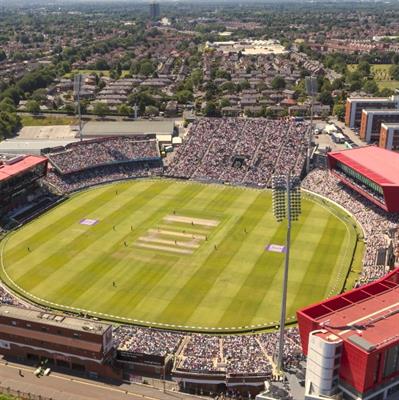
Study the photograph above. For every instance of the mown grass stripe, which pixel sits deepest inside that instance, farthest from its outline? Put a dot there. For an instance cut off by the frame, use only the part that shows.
(94, 267)
(59, 225)
(57, 259)
(259, 278)
(200, 283)
(327, 251)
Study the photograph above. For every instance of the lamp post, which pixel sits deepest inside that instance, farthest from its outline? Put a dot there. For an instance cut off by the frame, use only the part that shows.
(77, 84)
(311, 90)
(286, 205)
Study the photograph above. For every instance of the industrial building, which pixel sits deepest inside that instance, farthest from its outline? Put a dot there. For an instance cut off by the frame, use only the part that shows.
(371, 171)
(352, 343)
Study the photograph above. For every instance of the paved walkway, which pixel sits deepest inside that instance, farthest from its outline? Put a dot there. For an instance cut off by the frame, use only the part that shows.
(348, 132)
(58, 386)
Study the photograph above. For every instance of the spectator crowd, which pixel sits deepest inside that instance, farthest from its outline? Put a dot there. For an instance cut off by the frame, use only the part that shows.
(206, 354)
(102, 174)
(241, 151)
(92, 162)
(376, 223)
(146, 340)
(7, 298)
(79, 156)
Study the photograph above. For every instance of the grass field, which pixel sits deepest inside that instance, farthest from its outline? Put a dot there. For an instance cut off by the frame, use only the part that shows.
(381, 75)
(181, 254)
(30, 120)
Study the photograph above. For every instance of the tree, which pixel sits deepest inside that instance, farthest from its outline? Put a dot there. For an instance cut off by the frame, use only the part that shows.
(211, 90)
(244, 84)
(395, 59)
(3, 55)
(69, 108)
(230, 87)
(394, 72)
(184, 96)
(8, 105)
(101, 109)
(326, 98)
(10, 123)
(364, 68)
(196, 77)
(211, 110)
(101, 65)
(152, 110)
(370, 86)
(142, 99)
(124, 109)
(278, 83)
(386, 92)
(339, 111)
(224, 103)
(33, 107)
(146, 68)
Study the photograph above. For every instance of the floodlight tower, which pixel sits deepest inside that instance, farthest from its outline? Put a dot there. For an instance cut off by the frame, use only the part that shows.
(286, 205)
(311, 90)
(77, 84)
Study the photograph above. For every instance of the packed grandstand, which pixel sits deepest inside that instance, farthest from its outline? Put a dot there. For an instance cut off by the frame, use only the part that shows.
(237, 151)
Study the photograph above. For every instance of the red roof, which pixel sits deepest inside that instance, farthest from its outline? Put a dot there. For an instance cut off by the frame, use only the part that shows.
(7, 171)
(375, 163)
(368, 315)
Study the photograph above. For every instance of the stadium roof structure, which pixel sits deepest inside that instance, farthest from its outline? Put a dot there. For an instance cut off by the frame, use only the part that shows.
(22, 164)
(377, 165)
(367, 317)
(32, 146)
(127, 128)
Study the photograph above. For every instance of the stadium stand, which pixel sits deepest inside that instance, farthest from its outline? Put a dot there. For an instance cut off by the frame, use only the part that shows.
(88, 163)
(240, 151)
(376, 222)
(235, 150)
(79, 156)
(22, 195)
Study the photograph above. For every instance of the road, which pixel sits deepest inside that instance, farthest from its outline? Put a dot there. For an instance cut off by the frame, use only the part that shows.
(58, 386)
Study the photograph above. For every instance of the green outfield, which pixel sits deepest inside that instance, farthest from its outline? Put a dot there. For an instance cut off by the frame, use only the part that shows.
(178, 254)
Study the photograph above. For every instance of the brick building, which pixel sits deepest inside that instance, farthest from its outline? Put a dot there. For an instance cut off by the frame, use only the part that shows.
(81, 345)
(389, 136)
(355, 106)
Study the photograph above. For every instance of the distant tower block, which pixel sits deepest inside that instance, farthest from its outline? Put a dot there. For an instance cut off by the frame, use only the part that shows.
(155, 11)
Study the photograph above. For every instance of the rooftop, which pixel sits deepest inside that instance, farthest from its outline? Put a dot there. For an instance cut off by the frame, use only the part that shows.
(380, 111)
(390, 125)
(47, 318)
(371, 99)
(126, 128)
(368, 317)
(21, 163)
(377, 164)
